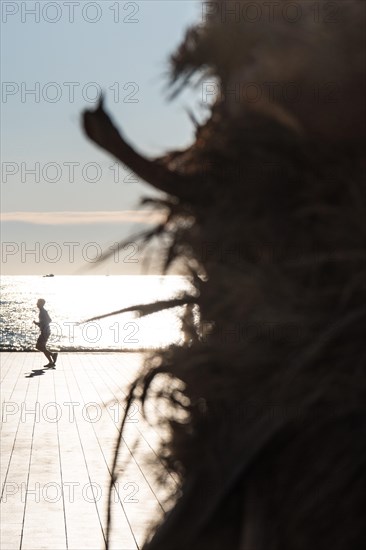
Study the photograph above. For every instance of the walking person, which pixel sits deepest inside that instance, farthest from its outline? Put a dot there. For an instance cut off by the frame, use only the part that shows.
(44, 326)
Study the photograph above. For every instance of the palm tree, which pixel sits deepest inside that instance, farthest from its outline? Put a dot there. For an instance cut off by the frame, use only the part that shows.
(266, 211)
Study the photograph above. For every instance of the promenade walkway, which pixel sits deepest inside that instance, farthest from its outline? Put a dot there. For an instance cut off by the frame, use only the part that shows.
(59, 428)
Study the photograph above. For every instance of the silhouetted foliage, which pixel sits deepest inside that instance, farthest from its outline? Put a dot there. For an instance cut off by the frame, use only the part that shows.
(267, 213)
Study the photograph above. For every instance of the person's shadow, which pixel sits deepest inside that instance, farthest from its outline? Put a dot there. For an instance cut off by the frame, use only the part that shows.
(34, 373)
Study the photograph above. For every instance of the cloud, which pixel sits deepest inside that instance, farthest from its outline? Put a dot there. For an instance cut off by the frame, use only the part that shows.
(83, 218)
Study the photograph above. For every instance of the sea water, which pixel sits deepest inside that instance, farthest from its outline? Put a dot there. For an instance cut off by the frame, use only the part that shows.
(71, 300)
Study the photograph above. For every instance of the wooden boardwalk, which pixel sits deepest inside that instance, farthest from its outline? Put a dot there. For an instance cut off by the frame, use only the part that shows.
(59, 428)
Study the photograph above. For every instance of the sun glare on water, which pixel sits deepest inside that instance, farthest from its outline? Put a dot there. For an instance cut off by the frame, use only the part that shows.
(71, 300)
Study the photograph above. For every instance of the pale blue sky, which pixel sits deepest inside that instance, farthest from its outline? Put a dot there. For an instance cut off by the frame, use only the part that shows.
(111, 54)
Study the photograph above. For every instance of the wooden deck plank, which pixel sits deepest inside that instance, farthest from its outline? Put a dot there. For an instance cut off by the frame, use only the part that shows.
(94, 460)
(56, 463)
(146, 438)
(6, 360)
(105, 433)
(44, 494)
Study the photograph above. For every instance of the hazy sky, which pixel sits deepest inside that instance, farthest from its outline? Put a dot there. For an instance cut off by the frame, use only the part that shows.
(55, 58)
